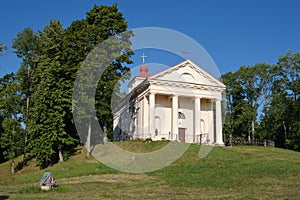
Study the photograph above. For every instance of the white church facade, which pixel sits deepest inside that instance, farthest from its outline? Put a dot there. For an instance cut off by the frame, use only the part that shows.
(181, 103)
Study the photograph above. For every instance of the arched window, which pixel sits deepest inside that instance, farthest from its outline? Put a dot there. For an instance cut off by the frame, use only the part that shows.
(181, 115)
(202, 125)
(187, 77)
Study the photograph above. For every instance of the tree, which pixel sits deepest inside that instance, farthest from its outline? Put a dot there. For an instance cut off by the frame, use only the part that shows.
(2, 47)
(25, 46)
(267, 97)
(12, 140)
(48, 137)
(106, 28)
(101, 24)
(281, 117)
(11, 131)
(51, 60)
(247, 90)
(238, 112)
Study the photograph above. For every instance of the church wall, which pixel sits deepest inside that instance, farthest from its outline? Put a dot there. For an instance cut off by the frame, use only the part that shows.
(115, 126)
(123, 124)
(207, 119)
(135, 82)
(139, 120)
(163, 113)
(126, 122)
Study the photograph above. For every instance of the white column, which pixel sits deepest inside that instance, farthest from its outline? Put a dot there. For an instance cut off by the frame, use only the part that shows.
(141, 133)
(139, 115)
(145, 118)
(219, 135)
(152, 114)
(211, 123)
(175, 117)
(197, 118)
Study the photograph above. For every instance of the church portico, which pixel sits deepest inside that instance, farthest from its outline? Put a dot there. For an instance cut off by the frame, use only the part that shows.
(166, 114)
(167, 109)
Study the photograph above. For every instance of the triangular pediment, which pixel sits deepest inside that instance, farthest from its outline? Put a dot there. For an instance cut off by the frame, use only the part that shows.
(188, 72)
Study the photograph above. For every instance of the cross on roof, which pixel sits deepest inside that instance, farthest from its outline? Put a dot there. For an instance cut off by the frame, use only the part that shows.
(143, 57)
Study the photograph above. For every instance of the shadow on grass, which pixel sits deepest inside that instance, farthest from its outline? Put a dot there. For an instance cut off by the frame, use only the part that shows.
(2, 197)
(23, 163)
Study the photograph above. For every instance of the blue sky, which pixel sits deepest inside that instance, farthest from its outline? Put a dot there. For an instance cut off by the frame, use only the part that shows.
(233, 32)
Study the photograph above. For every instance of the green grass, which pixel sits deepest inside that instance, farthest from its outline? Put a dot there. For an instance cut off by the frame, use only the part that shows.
(241, 172)
(33, 189)
(138, 146)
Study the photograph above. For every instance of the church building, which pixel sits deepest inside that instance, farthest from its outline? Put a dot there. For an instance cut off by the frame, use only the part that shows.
(181, 103)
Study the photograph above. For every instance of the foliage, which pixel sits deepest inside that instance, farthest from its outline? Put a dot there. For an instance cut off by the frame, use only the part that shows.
(12, 138)
(51, 59)
(272, 91)
(2, 47)
(25, 46)
(11, 132)
(102, 23)
(282, 117)
(48, 136)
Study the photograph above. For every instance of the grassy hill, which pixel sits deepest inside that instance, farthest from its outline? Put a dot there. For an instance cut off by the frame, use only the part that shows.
(226, 173)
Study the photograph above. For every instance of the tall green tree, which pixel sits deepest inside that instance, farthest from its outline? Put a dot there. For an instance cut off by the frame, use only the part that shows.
(51, 60)
(238, 110)
(267, 97)
(11, 132)
(100, 24)
(48, 137)
(12, 139)
(247, 91)
(25, 45)
(281, 117)
(4, 81)
(103, 28)
(59, 55)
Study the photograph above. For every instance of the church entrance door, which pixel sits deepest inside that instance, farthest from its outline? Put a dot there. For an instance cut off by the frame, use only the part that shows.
(181, 133)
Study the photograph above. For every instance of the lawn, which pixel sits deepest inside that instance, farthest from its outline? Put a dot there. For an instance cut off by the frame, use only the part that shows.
(241, 172)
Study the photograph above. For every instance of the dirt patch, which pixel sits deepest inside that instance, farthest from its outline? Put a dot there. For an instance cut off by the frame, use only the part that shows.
(107, 178)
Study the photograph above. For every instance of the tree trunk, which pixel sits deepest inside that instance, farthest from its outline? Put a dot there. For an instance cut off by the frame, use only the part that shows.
(12, 167)
(284, 127)
(61, 159)
(88, 141)
(26, 130)
(27, 116)
(105, 133)
(253, 131)
(13, 151)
